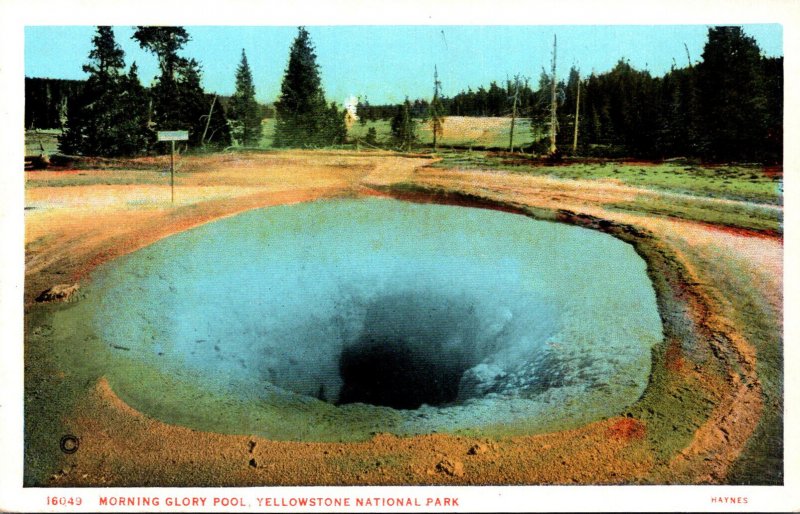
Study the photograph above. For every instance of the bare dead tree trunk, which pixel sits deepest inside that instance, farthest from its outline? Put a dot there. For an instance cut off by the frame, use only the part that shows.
(436, 121)
(553, 103)
(208, 121)
(577, 114)
(513, 115)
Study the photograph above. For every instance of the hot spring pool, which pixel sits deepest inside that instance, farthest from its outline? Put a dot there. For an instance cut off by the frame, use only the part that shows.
(333, 320)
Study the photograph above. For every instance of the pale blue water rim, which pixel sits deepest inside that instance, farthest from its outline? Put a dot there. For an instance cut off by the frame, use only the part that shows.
(337, 319)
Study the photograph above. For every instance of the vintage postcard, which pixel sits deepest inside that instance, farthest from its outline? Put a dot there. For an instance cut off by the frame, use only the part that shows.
(458, 259)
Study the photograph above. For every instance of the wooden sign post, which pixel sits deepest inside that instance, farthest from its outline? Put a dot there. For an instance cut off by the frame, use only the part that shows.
(172, 136)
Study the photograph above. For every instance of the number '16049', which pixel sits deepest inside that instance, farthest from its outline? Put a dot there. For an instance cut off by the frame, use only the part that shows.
(64, 500)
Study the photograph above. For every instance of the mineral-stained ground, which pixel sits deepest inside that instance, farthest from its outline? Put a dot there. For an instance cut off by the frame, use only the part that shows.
(711, 412)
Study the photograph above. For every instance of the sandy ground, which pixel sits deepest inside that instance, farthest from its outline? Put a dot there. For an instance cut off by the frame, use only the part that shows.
(70, 229)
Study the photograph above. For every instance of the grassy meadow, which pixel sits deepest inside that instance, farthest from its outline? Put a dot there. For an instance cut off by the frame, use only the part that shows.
(459, 131)
(41, 141)
(747, 183)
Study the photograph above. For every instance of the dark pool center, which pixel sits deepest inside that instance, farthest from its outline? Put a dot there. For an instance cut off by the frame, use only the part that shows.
(339, 319)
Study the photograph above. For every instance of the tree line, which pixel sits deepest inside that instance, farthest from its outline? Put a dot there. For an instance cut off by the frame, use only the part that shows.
(726, 106)
(47, 101)
(112, 114)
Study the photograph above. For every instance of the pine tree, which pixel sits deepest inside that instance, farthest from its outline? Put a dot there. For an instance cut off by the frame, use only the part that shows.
(134, 107)
(372, 136)
(732, 96)
(773, 85)
(179, 102)
(676, 131)
(403, 126)
(244, 111)
(196, 106)
(192, 102)
(217, 131)
(334, 128)
(106, 58)
(165, 43)
(596, 108)
(303, 117)
(620, 111)
(496, 100)
(110, 116)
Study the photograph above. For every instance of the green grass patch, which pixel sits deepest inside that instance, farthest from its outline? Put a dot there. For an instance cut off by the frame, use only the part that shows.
(267, 133)
(383, 131)
(120, 178)
(740, 215)
(41, 141)
(747, 183)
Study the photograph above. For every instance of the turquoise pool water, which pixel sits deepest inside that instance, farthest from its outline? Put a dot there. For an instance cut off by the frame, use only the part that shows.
(338, 319)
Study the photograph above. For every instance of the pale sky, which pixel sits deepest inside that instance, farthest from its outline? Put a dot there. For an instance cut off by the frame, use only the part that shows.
(386, 63)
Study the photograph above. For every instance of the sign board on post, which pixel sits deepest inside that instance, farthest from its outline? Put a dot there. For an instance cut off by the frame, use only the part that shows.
(172, 136)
